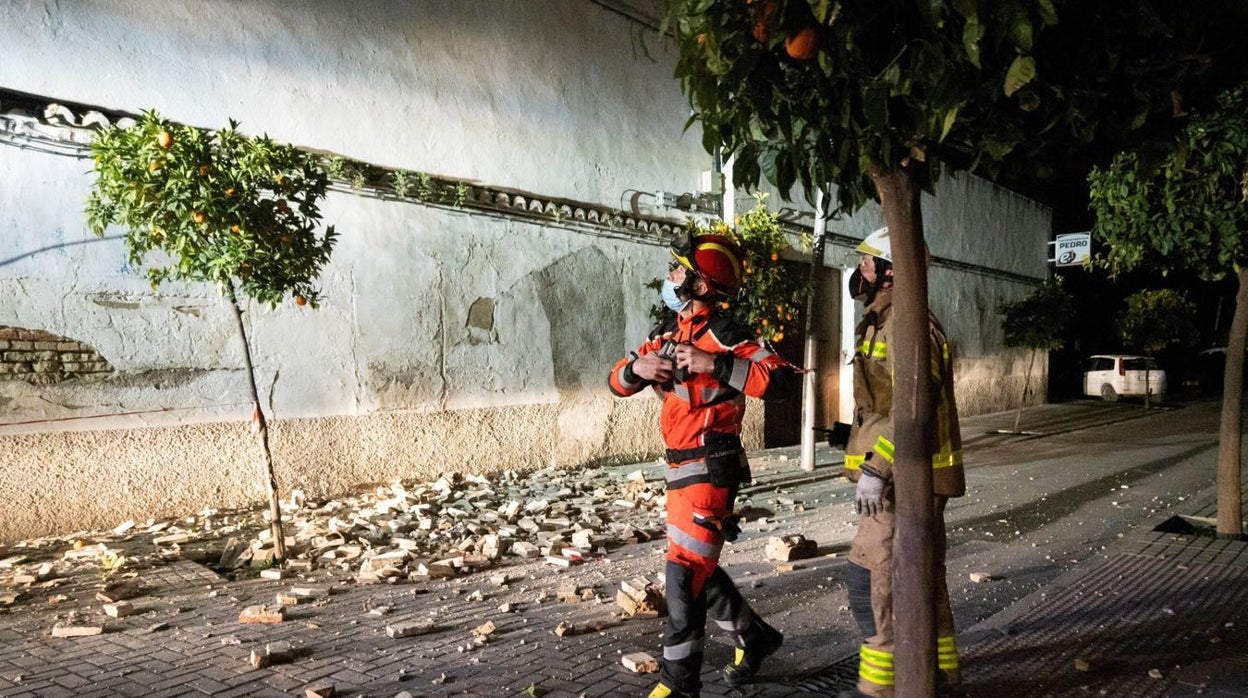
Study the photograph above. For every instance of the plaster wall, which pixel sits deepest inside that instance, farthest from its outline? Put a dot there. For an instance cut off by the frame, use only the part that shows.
(447, 339)
(561, 97)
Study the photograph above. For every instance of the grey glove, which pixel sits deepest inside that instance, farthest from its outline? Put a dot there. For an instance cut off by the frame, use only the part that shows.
(869, 497)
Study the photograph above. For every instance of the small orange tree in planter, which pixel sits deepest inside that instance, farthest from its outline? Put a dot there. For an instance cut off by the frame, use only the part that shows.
(771, 297)
(240, 212)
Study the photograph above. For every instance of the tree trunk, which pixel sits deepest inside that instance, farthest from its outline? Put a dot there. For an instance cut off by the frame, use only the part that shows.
(1018, 416)
(275, 511)
(914, 595)
(1147, 382)
(1230, 431)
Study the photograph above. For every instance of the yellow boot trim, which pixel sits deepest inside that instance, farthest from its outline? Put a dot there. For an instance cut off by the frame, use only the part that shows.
(946, 654)
(738, 656)
(661, 691)
(875, 666)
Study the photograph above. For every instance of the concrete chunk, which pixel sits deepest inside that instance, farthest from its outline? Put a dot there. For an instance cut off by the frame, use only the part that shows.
(261, 614)
(74, 630)
(411, 629)
(790, 548)
(121, 609)
(640, 663)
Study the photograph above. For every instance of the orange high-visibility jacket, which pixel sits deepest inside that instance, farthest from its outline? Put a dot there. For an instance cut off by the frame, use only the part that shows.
(706, 403)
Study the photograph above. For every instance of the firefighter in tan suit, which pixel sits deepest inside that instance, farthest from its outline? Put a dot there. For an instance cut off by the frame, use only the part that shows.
(869, 462)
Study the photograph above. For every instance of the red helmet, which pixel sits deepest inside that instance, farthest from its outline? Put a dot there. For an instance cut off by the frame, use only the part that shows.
(716, 259)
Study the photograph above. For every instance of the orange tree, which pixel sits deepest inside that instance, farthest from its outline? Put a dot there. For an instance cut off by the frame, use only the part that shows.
(770, 299)
(876, 98)
(1189, 209)
(218, 206)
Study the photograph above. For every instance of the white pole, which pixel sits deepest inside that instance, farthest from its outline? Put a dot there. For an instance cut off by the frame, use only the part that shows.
(810, 382)
(729, 197)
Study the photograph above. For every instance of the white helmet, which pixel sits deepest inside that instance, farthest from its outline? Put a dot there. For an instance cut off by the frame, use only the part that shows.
(877, 245)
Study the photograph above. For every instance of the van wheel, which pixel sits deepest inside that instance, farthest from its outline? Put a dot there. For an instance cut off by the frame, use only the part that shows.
(1108, 393)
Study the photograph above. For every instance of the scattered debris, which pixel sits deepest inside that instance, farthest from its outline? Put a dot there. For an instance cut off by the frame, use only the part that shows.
(640, 663)
(75, 630)
(262, 614)
(121, 609)
(119, 591)
(564, 629)
(410, 629)
(638, 597)
(323, 690)
(485, 629)
(789, 548)
(981, 577)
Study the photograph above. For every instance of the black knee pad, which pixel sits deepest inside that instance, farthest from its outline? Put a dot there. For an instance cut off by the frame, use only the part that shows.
(858, 579)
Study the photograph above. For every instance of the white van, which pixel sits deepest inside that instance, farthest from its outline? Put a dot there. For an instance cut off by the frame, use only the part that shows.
(1111, 376)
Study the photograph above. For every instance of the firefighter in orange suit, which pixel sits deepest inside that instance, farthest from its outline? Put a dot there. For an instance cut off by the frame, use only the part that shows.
(703, 365)
(869, 463)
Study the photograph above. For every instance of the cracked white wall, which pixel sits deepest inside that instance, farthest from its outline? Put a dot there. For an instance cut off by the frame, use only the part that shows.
(447, 340)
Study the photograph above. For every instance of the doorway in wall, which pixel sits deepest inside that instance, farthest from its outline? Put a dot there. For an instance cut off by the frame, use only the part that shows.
(782, 421)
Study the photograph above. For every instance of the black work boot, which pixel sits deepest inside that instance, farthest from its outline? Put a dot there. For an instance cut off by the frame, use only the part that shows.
(760, 640)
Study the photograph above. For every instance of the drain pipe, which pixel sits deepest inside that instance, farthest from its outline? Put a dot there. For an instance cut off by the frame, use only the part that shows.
(810, 382)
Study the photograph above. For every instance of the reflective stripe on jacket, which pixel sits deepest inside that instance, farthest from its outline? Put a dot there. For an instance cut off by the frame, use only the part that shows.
(705, 403)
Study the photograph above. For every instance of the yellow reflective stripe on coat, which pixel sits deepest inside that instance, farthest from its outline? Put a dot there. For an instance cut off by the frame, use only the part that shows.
(884, 447)
(946, 459)
(943, 459)
(875, 666)
(873, 349)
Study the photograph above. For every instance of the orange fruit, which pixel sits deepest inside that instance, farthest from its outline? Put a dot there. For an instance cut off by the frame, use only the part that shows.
(229, 192)
(203, 169)
(762, 16)
(235, 229)
(301, 301)
(774, 256)
(779, 336)
(197, 217)
(803, 44)
(153, 166)
(164, 139)
(764, 322)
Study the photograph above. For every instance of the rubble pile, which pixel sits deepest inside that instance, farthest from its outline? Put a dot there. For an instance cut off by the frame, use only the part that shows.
(404, 531)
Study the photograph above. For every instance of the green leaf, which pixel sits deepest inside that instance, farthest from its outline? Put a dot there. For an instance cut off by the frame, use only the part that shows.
(950, 117)
(1021, 72)
(1048, 13)
(971, 34)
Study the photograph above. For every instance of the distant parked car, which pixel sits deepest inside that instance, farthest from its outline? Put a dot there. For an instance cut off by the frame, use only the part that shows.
(1111, 376)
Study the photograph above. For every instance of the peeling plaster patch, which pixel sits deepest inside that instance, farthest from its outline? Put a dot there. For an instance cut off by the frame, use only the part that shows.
(189, 310)
(42, 358)
(400, 386)
(163, 378)
(481, 322)
(119, 301)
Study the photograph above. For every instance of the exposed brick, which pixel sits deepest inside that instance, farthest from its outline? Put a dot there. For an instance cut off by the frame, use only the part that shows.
(71, 367)
(8, 333)
(45, 346)
(47, 367)
(68, 346)
(18, 353)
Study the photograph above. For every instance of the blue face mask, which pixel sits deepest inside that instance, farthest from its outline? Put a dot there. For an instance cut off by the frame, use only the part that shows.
(670, 299)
